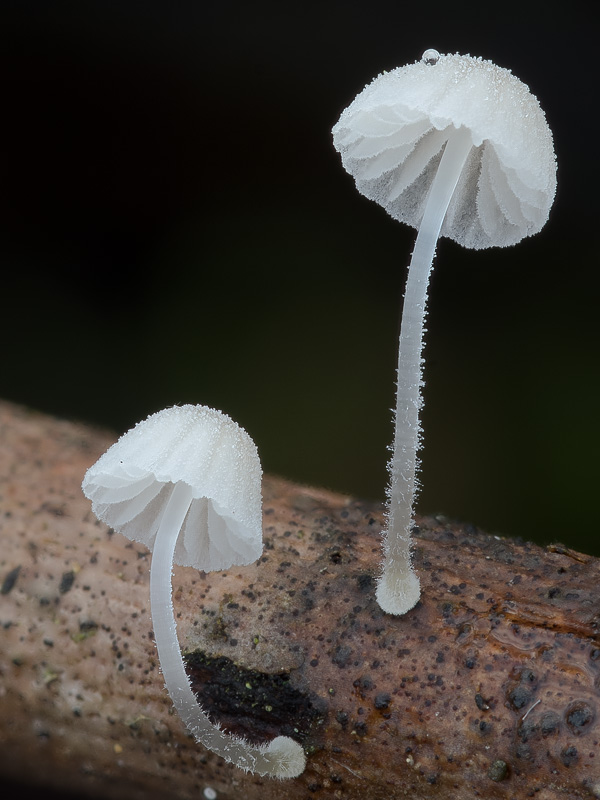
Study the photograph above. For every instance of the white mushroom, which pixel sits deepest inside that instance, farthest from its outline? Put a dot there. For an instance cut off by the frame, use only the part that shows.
(458, 147)
(186, 482)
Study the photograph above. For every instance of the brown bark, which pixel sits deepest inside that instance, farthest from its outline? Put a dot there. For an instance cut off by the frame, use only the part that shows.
(488, 688)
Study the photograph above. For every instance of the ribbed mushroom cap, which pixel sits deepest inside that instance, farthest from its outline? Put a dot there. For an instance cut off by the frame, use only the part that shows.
(392, 135)
(130, 484)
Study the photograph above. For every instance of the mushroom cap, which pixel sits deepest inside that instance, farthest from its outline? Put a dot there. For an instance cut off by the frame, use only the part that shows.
(392, 135)
(130, 484)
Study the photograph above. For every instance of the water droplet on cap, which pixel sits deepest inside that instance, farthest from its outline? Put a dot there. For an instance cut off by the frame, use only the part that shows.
(430, 57)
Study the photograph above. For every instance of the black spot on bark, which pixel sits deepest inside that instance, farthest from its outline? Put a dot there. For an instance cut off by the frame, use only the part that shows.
(579, 717)
(519, 697)
(252, 704)
(382, 700)
(66, 582)
(549, 723)
(341, 656)
(9, 581)
(569, 756)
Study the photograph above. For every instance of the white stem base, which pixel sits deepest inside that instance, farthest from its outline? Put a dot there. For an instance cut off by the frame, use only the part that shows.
(281, 758)
(398, 589)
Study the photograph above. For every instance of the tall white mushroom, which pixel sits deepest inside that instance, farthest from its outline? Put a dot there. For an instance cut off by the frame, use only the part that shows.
(186, 482)
(458, 147)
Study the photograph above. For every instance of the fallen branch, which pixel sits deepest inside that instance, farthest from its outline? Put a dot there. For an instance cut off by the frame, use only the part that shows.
(488, 688)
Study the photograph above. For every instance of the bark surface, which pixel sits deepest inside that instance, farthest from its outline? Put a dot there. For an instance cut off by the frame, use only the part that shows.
(489, 688)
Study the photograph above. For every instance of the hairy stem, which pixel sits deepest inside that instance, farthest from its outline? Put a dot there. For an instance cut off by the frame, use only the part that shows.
(398, 589)
(283, 757)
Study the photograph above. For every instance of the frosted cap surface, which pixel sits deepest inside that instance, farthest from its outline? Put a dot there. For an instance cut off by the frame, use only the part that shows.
(130, 484)
(392, 135)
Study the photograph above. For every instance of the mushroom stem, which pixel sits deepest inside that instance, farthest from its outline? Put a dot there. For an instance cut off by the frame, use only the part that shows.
(281, 758)
(398, 588)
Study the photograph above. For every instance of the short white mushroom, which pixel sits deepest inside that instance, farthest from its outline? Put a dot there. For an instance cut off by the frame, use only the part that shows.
(186, 482)
(458, 147)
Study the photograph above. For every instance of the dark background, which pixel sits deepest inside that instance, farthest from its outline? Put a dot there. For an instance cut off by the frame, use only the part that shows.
(177, 227)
